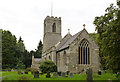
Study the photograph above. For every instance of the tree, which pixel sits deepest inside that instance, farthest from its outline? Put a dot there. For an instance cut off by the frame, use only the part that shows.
(38, 52)
(23, 55)
(108, 29)
(14, 54)
(8, 50)
(94, 36)
(48, 66)
(20, 64)
(27, 59)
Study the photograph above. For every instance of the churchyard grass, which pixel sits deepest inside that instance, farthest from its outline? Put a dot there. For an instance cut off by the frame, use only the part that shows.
(29, 76)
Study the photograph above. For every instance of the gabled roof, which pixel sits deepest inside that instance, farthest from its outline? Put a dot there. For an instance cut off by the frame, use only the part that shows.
(66, 37)
(68, 41)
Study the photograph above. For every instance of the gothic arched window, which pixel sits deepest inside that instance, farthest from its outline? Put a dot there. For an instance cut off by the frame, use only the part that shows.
(84, 53)
(54, 27)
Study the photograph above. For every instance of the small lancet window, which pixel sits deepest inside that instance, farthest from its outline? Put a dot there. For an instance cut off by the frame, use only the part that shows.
(54, 27)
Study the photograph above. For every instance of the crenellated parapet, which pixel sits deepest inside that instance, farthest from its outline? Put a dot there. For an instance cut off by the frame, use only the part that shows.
(52, 18)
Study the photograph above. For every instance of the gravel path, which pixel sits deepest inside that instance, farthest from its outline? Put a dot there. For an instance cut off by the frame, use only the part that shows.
(2, 78)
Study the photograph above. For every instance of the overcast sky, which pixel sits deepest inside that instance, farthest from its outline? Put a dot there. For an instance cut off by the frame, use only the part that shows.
(25, 18)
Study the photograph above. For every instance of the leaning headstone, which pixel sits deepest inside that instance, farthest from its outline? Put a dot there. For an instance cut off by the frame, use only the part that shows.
(63, 74)
(55, 74)
(99, 72)
(89, 75)
(70, 74)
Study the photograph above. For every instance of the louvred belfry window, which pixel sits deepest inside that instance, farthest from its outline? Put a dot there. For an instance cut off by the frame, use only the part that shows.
(54, 27)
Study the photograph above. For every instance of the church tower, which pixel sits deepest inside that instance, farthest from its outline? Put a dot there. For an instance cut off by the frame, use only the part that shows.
(52, 32)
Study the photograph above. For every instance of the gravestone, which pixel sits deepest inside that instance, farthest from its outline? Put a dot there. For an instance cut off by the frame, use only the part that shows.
(12, 70)
(89, 75)
(36, 74)
(70, 74)
(19, 72)
(79, 72)
(55, 74)
(118, 74)
(26, 72)
(99, 72)
(67, 72)
(63, 74)
(48, 75)
(59, 73)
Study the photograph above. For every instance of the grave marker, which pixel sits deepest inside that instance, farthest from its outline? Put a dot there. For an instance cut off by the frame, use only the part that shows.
(89, 75)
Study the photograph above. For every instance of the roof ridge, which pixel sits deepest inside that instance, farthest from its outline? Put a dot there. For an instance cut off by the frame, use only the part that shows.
(64, 43)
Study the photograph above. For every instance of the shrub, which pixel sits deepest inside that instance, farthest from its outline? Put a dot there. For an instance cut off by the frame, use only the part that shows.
(48, 66)
(19, 72)
(48, 75)
(9, 69)
(33, 70)
(36, 74)
(28, 69)
(119, 78)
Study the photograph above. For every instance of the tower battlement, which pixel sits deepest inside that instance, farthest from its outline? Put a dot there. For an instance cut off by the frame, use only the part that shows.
(52, 18)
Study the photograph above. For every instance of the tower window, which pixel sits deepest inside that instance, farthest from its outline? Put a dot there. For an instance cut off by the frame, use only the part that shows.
(54, 27)
(84, 53)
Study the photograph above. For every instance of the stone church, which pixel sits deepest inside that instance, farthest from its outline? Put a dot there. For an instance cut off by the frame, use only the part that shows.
(74, 53)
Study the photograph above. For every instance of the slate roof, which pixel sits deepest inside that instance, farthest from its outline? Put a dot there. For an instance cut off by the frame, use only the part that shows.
(68, 41)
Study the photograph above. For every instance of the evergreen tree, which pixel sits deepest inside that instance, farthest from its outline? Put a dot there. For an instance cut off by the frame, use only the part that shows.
(8, 50)
(27, 59)
(38, 52)
(20, 51)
